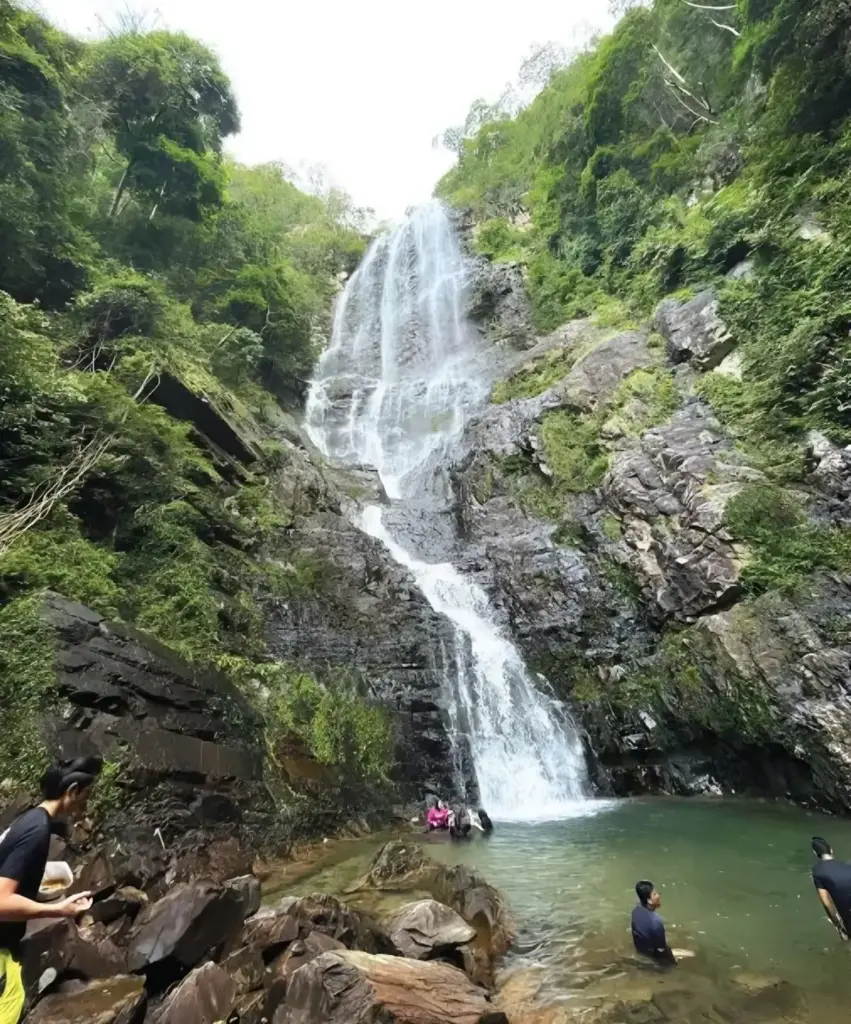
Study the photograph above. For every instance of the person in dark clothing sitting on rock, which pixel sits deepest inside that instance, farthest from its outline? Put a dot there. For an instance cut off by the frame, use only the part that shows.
(24, 849)
(832, 879)
(485, 823)
(648, 929)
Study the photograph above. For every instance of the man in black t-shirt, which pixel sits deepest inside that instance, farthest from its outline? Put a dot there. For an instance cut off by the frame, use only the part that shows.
(648, 929)
(23, 856)
(832, 879)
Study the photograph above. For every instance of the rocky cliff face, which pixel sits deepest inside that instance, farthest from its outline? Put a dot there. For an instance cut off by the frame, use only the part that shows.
(362, 612)
(595, 493)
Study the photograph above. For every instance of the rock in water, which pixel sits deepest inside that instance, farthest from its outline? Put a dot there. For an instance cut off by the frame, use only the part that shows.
(118, 1000)
(428, 930)
(206, 996)
(397, 865)
(349, 987)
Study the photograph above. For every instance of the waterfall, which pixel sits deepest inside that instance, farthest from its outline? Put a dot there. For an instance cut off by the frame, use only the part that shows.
(394, 390)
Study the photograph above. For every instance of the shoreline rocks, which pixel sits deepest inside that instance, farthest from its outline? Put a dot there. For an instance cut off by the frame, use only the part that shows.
(206, 951)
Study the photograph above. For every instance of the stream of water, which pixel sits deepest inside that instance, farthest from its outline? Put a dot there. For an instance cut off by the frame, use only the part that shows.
(736, 888)
(402, 376)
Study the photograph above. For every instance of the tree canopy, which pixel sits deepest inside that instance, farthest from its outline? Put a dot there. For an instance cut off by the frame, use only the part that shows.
(692, 137)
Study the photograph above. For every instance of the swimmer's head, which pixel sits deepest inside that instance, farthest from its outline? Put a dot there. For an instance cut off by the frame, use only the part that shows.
(647, 895)
(821, 848)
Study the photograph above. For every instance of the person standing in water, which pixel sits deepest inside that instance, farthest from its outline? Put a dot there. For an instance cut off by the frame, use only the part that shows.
(648, 928)
(23, 856)
(832, 879)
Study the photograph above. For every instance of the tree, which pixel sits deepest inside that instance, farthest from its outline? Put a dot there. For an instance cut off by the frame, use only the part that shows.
(169, 106)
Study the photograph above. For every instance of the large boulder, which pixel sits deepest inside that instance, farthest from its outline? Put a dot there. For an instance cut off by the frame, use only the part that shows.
(399, 864)
(206, 996)
(355, 929)
(668, 493)
(351, 987)
(269, 931)
(176, 933)
(479, 904)
(693, 331)
(402, 866)
(59, 947)
(125, 696)
(428, 930)
(119, 1000)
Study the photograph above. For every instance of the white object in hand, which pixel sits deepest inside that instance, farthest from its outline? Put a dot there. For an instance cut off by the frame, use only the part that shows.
(57, 877)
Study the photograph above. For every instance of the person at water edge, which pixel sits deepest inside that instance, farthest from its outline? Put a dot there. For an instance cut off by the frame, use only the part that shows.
(648, 928)
(485, 824)
(460, 823)
(436, 819)
(832, 879)
(24, 848)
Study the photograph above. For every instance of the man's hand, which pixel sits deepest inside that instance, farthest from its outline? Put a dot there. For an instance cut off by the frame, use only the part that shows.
(73, 906)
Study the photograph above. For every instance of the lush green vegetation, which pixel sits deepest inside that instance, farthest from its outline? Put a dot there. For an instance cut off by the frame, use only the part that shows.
(577, 446)
(669, 151)
(334, 719)
(787, 549)
(134, 252)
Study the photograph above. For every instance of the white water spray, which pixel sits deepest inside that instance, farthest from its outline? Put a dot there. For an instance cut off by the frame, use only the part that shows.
(394, 390)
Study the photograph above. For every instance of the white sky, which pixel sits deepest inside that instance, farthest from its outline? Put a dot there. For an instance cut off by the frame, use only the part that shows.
(361, 87)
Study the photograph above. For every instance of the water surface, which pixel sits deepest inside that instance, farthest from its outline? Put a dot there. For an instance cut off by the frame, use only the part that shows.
(736, 887)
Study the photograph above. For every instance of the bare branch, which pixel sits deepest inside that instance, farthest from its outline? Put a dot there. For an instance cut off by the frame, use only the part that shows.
(669, 66)
(704, 7)
(727, 28)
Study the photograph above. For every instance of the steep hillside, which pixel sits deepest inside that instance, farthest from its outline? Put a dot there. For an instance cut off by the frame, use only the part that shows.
(160, 309)
(660, 487)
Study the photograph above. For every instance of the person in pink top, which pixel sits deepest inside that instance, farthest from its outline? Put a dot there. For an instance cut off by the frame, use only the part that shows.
(438, 817)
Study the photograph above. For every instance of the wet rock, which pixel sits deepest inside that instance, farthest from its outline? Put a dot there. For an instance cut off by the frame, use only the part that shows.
(328, 916)
(123, 903)
(175, 933)
(479, 904)
(351, 987)
(398, 864)
(119, 1000)
(693, 331)
(206, 996)
(496, 299)
(366, 614)
(61, 946)
(246, 969)
(428, 930)
(269, 931)
(247, 888)
(302, 952)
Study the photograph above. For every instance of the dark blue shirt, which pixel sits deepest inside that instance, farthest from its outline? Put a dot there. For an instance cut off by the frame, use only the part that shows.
(648, 934)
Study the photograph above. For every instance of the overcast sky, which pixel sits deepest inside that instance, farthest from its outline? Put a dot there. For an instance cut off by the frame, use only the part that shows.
(361, 87)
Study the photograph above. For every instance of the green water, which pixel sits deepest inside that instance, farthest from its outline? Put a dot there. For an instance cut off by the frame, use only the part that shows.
(735, 884)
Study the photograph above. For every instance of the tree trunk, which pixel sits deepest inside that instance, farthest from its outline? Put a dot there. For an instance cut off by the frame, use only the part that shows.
(119, 192)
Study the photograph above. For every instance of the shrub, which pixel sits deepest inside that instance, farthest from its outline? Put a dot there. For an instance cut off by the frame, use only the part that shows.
(27, 688)
(787, 549)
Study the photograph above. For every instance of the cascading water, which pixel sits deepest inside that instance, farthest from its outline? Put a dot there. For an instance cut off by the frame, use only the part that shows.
(401, 377)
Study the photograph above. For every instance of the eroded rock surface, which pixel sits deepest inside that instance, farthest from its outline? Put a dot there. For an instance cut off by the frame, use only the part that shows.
(351, 987)
(693, 331)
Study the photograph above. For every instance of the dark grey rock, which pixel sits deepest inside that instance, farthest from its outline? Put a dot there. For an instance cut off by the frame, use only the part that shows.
(693, 331)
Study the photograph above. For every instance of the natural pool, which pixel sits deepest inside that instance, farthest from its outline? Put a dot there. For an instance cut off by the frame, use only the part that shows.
(735, 882)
